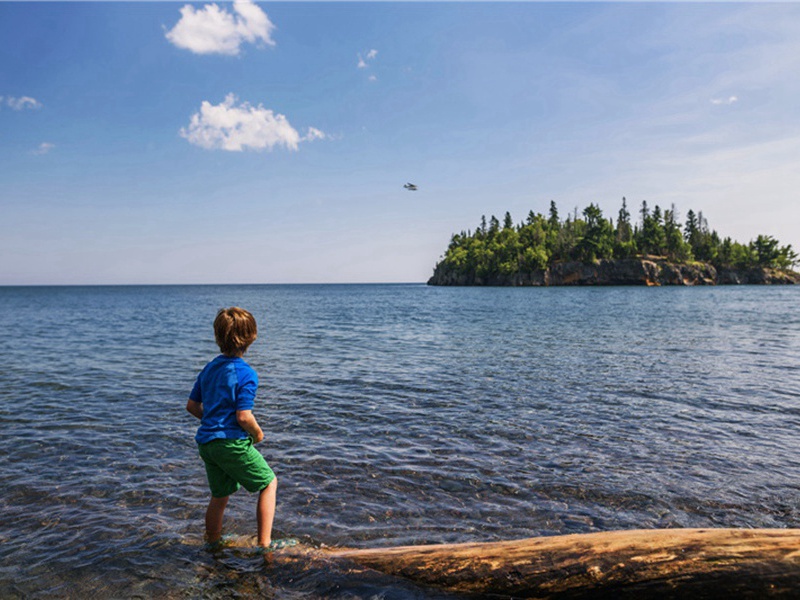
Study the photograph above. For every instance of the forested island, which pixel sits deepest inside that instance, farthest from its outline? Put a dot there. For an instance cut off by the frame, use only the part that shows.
(589, 249)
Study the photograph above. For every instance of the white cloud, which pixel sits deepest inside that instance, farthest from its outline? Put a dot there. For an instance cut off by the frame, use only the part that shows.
(373, 78)
(314, 134)
(362, 63)
(729, 100)
(44, 148)
(213, 30)
(227, 126)
(20, 103)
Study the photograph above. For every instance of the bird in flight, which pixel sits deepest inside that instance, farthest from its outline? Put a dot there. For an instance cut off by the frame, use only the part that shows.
(410, 187)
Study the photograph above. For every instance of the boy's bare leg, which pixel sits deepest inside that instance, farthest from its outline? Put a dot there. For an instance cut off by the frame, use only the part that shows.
(214, 514)
(265, 513)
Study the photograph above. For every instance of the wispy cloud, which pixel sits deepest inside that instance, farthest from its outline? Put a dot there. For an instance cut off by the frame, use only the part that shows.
(727, 101)
(20, 103)
(232, 127)
(213, 30)
(366, 61)
(363, 61)
(314, 134)
(44, 148)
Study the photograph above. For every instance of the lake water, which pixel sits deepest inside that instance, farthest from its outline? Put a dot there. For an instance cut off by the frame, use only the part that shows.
(394, 414)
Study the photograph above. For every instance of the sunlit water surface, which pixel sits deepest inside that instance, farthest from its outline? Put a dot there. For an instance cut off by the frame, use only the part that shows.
(394, 414)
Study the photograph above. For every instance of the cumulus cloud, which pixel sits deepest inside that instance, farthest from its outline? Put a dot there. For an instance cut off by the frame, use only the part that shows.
(232, 127)
(21, 103)
(44, 148)
(729, 100)
(372, 54)
(213, 30)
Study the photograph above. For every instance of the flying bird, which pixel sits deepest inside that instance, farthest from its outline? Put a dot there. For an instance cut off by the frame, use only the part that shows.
(410, 187)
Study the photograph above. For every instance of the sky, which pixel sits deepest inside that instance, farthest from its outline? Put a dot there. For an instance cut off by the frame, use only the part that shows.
(156, 143)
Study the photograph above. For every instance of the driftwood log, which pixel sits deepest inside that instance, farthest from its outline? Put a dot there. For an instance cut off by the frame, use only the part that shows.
(661, 563)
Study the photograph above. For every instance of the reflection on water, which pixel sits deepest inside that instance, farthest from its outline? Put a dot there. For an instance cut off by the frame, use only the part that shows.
(393, 415)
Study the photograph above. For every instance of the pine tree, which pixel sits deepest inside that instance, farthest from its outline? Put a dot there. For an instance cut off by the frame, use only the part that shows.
(553, 220)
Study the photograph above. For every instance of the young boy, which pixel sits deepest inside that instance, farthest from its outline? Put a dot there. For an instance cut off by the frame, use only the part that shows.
(222, 398)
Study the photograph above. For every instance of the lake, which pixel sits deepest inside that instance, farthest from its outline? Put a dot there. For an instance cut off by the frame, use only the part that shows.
(393, 414)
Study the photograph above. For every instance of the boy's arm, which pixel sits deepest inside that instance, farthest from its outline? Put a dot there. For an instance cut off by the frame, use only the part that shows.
(247, 421)
(195, 408)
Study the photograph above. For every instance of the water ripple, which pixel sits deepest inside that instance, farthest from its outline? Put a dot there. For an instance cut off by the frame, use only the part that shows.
(393, 415)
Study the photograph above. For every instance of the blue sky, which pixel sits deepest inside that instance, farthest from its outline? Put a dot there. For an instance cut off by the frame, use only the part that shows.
(269, 143)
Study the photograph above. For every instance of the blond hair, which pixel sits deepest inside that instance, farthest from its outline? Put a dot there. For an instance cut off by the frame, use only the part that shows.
(234, 329)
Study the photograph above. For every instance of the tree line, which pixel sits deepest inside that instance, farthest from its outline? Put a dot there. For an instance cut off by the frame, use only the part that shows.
(543, 240)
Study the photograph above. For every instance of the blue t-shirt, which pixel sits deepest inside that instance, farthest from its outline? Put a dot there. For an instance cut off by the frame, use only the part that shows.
(225, 385)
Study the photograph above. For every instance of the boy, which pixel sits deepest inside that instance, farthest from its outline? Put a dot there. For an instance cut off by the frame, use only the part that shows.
(222, 398)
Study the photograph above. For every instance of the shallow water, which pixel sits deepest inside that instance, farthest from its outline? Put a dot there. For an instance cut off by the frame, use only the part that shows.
(394, 414)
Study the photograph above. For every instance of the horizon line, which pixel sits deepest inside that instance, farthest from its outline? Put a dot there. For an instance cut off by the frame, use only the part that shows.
(12, 285)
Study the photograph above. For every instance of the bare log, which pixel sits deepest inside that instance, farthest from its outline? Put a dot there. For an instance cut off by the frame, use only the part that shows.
(662, 563)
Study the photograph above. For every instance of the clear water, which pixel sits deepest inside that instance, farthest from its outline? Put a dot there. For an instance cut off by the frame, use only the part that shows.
(394, 414)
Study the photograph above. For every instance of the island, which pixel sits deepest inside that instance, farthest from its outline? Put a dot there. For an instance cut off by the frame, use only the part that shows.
(589, 249)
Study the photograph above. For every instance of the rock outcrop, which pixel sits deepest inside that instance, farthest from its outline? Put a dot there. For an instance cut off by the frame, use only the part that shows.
(647, 271)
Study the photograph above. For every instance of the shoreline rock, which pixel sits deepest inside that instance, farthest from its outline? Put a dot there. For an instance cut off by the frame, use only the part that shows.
(644, 271)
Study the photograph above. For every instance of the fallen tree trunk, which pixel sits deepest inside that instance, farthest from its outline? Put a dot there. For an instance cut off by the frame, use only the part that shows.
(662, 563)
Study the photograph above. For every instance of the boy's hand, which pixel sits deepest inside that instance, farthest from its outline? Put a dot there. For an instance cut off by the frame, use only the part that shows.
(247, 421)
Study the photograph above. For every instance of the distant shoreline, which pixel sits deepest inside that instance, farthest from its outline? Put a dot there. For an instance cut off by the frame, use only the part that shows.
(641, 271)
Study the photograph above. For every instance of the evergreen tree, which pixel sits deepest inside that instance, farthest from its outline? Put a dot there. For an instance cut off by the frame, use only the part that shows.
(704, 243)
(767, 253)
(691, 226)
(494, 227)
(651, 238)
(598, 237)
(553, 220)
(624, 231)
(644, 212)
(492, 251)
(482, 227)
(624, 244)
(677, 249)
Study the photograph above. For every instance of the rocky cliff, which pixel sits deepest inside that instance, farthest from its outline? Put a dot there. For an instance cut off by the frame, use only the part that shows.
(628, 271)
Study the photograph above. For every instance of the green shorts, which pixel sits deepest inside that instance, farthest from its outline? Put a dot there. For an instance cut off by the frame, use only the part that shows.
(234, 463)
